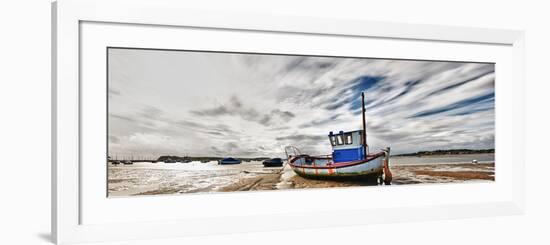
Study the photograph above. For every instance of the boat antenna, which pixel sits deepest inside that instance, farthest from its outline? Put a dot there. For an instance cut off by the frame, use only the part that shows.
(364, 125)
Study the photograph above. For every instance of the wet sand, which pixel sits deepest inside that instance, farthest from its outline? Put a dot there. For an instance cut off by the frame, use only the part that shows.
(402, 175)
(265, 181)
(443, 173)
(147, 180)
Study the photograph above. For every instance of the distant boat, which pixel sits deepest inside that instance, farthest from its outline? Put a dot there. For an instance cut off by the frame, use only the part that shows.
(274, 162)
(229, 160)
(115, 162)
(350, 158)
(126, 162)
(186, 160)
(169, 161)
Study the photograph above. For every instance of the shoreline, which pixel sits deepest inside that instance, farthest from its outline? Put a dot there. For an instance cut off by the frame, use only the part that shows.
(446, 153)
(437, 153)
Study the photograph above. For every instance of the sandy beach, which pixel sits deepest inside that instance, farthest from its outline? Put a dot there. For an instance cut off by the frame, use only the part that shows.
(413, 174)
(195, 177)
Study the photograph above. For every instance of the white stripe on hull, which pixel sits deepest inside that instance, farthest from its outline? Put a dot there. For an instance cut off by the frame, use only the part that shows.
(374, 166)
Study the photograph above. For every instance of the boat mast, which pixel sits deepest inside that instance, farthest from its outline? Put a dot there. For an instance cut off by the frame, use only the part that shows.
(364, 125)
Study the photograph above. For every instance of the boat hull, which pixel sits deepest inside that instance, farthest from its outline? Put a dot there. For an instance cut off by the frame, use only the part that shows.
(228, 162)
(370, 168)
(273, 164)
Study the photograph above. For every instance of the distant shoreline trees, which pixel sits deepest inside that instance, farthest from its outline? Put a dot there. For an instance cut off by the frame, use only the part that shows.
(448, 152)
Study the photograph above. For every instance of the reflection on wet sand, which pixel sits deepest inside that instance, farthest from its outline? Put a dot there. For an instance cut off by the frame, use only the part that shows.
(196, 177)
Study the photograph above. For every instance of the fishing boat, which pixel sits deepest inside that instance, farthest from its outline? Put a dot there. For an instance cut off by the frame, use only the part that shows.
(229, 160)
(350, 158)
(127, 162)
(273, 162)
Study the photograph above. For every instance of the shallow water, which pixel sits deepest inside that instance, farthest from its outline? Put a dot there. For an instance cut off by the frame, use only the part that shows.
(187, 177)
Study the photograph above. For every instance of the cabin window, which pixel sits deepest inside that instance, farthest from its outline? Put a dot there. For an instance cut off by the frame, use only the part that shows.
(333, 140)
(349, 139)
(339, 139)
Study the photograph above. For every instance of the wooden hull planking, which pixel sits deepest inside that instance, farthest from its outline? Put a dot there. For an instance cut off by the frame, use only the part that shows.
(369, 168)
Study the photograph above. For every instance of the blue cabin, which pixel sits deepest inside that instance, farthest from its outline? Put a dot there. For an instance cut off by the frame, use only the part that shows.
(347, 146)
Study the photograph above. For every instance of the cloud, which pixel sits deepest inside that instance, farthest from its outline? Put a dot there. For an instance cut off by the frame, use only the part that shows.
(115, 116)
(113, 92)
(276, 117)
(487, 98)
(252, 105)
(234, 107)
(114, 139)
(151, 112)
(301, 137)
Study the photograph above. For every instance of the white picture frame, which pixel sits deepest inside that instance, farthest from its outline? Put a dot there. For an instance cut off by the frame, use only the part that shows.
(69, 197)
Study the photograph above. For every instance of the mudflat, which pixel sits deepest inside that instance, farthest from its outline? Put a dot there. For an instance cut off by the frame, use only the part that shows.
(147, 180)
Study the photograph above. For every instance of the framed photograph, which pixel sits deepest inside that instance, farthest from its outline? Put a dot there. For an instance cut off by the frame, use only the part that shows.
(175, 122)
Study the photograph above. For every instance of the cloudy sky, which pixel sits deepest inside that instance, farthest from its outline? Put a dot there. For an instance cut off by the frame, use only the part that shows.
(245, 105)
